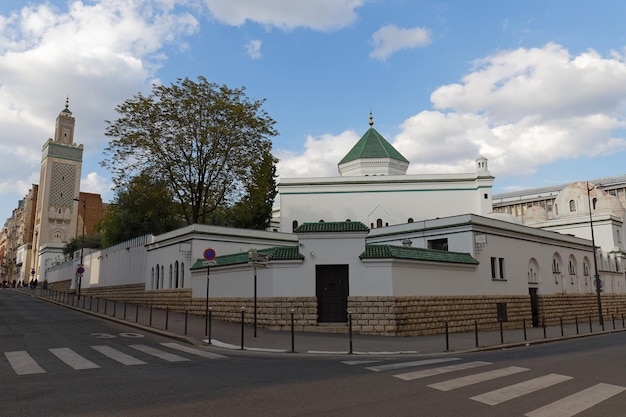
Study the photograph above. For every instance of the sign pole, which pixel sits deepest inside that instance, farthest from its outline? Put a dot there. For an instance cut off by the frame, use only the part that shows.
(206, 324)
(209, 256)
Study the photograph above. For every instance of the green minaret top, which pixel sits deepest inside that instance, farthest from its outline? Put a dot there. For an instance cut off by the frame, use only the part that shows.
(372, 145)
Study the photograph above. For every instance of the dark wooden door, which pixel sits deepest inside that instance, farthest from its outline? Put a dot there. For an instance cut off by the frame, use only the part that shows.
(332, 293)
(534, 306)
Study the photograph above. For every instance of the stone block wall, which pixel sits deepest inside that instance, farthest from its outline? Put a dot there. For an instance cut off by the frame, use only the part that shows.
(390, 316)
(412, 316)
(582, 306)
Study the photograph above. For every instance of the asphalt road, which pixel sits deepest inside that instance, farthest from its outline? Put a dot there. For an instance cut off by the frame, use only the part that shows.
(59, 362)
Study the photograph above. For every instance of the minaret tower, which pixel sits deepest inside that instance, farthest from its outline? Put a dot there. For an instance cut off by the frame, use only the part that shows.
(56, 214)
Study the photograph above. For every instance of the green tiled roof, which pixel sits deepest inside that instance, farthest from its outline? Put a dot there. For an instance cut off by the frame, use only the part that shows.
(372, 145)
(279, 253)
(418, 254)
(331, 227)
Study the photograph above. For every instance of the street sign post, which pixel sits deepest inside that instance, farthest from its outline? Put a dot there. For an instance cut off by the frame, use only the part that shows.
(209, 260)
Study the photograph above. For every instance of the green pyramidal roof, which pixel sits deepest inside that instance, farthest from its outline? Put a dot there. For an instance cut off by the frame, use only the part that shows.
(372, 145)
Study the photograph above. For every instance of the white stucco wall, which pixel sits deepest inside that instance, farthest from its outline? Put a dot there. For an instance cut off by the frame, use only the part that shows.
(393, 199)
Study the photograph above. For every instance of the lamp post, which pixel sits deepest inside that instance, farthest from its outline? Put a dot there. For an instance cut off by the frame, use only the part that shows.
(597, 280)
(82, 244)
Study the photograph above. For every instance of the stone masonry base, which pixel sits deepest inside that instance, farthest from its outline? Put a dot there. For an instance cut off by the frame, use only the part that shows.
(389, 316)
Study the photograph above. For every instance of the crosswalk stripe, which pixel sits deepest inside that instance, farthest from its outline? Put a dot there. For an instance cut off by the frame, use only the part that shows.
(118, 356)
(441, 370)
(400, 365)
(23, 364)
(170, 357)
(73, 359)
(517, 390)
(579, 402)
(477, 378)
(197, 352)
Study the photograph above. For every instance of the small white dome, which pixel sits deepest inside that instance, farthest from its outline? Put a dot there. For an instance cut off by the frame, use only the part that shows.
(610, 204)
(573, 200)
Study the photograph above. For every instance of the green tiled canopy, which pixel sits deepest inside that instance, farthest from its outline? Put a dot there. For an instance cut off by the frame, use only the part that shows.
(418, 254)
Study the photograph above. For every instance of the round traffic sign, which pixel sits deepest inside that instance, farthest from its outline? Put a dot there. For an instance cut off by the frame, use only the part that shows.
(209, 254)
(80, 270)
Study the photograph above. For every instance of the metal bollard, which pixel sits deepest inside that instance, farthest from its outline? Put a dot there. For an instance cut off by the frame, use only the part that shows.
(186, 320)
(590, 325)
(561, 321)
(167, 317)
(576, 319)
(125, 304)
(447, 338)
(243, 309)
(98, 305)
(106, 304)
(150, 323)
(350, 330)
(293, 340)
(136, 312)
(209, 329)
(524, 324)
(543, 324)
(501, 333)
(613, 317)
(476, 331)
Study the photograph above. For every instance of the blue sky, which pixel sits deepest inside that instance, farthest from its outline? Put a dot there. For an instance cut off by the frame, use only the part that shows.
(538, 87)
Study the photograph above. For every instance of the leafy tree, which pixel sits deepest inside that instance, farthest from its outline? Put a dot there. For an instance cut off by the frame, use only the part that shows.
(254, 209)
(142, 206)
(205, 141)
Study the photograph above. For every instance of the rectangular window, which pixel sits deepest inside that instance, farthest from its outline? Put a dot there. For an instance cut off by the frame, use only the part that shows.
(501, 267)
(493, 268)
(438, 244)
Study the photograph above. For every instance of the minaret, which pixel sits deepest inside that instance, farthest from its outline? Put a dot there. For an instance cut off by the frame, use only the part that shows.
(56, 214)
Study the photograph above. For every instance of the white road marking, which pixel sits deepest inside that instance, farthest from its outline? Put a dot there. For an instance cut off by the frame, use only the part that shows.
(118, 356)
(409, 376)
(170, 357)
(579, 402)
(400, 365)
(517, 390)
(23, 364)
(197, 352)
(477, 378)
(73, 359)
(358, 362)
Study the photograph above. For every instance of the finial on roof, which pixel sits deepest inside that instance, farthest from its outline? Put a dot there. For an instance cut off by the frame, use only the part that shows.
(371, 119)
(67, 102)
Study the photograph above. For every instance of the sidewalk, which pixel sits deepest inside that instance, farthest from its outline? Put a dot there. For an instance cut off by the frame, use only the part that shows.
(228, 335)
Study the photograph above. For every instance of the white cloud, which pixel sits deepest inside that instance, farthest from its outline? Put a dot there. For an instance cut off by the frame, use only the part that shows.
(97, 53)
(323, 15)
(390, 39)
(253, 49)
(97, 184)
(521, 109)
(320, 157)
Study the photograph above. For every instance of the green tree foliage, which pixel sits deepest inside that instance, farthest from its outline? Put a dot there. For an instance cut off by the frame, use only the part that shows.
(205, 141)
(254, 209)
(142, 206)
